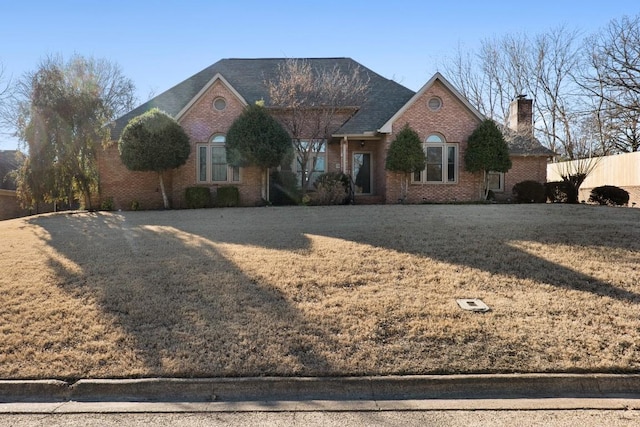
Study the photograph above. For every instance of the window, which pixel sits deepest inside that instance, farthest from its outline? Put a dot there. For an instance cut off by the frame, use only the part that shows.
(442, 162)
(212, 162)
(496, 181)
(435, 103)
(316, 163)
(219, 104)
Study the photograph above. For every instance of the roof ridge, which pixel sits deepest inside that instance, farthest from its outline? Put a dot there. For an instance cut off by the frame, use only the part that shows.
(286, 57)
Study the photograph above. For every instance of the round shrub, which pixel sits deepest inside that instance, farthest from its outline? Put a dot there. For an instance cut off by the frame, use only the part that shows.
(609, 195)
(227, 196)
(197, 197)
(529, 192)
(556, 191)
(332, 188)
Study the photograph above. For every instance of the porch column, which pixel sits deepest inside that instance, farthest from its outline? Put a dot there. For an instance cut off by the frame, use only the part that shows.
(344, 150)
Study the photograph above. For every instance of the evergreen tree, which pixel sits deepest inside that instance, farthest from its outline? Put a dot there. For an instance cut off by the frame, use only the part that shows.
(406, 156)
(256, 139)
(487, 151)
(154, 141)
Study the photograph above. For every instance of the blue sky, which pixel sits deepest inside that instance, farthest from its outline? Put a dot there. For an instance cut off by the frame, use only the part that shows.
(160, 43)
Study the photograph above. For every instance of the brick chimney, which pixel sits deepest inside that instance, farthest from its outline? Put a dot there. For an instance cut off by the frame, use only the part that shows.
(521, 115)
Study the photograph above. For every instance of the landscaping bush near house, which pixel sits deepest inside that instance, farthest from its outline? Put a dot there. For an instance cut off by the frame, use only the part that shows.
(197, 197)
(107, 204)
(332, 188)
(556, 191)
(227, 197)
(284, 188)
(529, 192)
(609, 195)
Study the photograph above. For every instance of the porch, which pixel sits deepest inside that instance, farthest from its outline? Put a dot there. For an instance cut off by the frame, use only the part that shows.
(361, 158)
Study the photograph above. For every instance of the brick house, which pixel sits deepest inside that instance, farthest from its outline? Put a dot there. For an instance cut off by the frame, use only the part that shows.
(207, 103)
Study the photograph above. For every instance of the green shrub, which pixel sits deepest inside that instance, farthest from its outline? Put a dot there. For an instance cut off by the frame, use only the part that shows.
(197, 197)
(135, 205)
(529, 192)
(284, 188)
(107, 204)
(332, 188)
(228, 196)
(609, 195)
(557, 191)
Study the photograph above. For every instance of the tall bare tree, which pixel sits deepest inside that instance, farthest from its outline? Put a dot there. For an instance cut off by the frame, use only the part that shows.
(612, 79)
(5, 95)
(311, 103)
(541, 67)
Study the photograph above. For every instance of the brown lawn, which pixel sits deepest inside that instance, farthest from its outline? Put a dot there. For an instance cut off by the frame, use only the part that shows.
(348, 290)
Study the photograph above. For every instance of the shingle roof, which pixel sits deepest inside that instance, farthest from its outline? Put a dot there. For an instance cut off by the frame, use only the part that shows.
(524, 145)
(247, 76)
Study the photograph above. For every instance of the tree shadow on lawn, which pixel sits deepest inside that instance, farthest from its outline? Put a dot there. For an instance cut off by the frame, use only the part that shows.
(494, 241)
(187, 311)
(497, 243)
(225, 321)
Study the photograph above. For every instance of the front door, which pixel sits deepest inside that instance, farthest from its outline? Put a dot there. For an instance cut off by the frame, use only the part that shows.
(362, 173)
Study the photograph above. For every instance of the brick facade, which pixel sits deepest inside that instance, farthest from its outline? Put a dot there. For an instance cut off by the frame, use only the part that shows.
(523, 168)
(10, 206)
(200, 122)
(455, 123)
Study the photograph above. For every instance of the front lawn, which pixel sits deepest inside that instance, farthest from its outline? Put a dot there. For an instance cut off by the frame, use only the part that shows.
(320, 291)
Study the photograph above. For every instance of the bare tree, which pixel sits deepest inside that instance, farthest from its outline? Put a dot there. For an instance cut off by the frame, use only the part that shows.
(612, 79)
(5, 96)
(311, 104)
(558, 104)
(573, 174)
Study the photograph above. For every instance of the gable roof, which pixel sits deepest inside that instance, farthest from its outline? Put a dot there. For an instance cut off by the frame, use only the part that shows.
(246, 77)
(386, 127)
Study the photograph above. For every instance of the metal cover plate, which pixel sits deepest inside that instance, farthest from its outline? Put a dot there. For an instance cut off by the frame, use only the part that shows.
(472, 304)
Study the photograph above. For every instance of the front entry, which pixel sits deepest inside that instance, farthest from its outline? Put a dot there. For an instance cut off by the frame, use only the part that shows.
(362, 173)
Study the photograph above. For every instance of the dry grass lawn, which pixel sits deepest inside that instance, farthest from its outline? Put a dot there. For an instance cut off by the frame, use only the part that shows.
(348, 290)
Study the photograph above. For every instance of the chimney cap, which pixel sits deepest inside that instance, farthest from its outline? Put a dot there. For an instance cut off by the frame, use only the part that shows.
(522, 96)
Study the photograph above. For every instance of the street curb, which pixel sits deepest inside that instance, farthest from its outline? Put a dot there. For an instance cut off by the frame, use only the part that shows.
(418, 387)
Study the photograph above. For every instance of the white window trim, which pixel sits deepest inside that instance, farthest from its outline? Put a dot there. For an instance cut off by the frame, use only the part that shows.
(209, 165)
(445, 164)
(501, 189)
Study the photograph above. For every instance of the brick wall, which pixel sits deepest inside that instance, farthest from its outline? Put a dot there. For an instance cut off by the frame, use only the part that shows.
(124, 186)
(523, 168)
(455, 122)
(200, 122)
(10, 206)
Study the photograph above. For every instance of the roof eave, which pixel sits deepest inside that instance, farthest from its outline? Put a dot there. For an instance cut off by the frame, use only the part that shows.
(204, 89)
(364, 135)
(388, 126)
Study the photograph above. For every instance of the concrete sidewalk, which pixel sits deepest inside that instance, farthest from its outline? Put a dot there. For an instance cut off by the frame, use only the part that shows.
(429, 392)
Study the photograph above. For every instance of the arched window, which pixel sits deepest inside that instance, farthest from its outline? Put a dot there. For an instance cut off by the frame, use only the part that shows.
(442, 161)
(212, 162)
